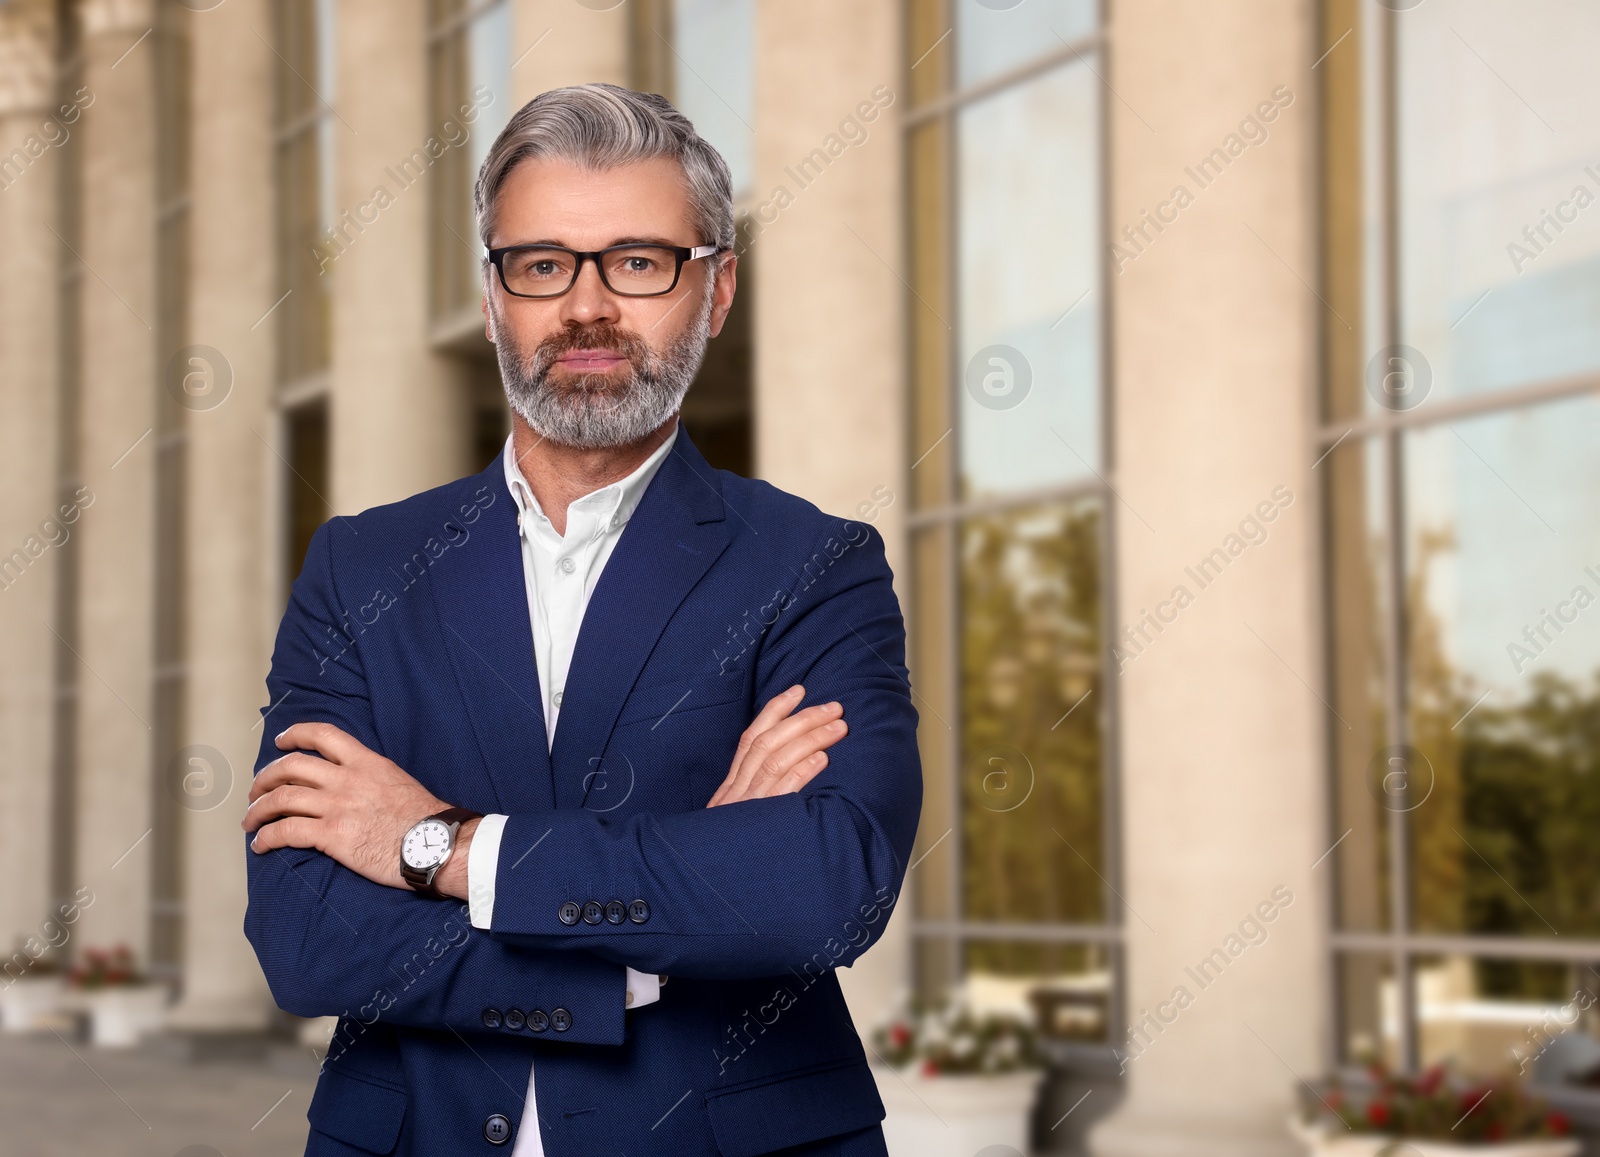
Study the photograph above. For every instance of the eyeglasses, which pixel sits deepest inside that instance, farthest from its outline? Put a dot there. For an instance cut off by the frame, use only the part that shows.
(626, 270)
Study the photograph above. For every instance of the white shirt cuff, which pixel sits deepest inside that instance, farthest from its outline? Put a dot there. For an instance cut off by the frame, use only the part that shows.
(643, 988)
(483, 859)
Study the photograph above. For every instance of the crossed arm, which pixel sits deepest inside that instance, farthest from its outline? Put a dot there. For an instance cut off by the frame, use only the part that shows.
(785, 879)
(352, 804)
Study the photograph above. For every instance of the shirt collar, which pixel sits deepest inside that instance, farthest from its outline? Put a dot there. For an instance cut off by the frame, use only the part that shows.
(621, 497)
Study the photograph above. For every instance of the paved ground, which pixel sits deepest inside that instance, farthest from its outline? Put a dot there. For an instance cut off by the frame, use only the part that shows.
(61, 1097)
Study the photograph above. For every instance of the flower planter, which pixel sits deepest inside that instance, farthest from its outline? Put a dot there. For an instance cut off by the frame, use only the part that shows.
(27, 1001)
(955, 1116)
(119, 1016)
(1321, 1141)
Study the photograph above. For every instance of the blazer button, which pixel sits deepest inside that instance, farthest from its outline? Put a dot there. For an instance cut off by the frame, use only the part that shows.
(616, 912)
(497, 1129)
(569, 912)
(638, 911)
(593, 913)
(491, 1018)
(537, 1020)
(514, 1019)
(560, 1019)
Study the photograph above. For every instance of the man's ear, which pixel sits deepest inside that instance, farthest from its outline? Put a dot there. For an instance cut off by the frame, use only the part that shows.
(722, 292)
(488, 319)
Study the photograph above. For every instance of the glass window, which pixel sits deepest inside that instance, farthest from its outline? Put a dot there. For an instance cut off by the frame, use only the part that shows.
(1013, 866)
(469, 72)
(699, 54)
(992, 37)
(1499, 270)
(713, 81)
(1027, 187)
(306, 126)
(1462, 277)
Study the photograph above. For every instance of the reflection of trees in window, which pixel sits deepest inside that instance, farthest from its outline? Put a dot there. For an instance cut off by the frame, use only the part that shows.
(1030, 651)
(1521, 786)
(1436, 699)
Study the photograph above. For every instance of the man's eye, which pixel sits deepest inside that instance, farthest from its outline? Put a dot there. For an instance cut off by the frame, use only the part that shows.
(640, 264)
(542, 268)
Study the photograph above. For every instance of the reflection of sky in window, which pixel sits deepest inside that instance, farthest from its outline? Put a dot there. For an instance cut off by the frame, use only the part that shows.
(713, 81)
(1028, 194)
(1496, 481)
(1481, 158)
(990, 41)
(489, 54)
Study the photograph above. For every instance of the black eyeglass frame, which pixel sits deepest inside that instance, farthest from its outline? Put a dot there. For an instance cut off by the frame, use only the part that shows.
(681, 253)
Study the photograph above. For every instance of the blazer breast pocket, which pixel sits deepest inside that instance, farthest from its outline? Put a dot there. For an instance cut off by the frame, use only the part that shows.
(658, 702)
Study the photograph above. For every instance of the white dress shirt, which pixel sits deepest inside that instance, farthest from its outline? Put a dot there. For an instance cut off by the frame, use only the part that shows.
(560, 573)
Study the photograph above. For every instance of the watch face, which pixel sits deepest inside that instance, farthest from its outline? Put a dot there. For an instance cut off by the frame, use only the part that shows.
(425, 844)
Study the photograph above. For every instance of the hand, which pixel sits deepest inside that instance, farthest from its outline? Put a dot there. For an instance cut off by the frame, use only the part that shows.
(348, 802)
(781, 752)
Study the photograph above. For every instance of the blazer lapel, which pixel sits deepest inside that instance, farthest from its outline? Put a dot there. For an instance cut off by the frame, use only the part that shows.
(674, 536)
(479, 593)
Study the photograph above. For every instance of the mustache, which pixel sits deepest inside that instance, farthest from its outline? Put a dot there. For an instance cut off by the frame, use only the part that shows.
(601, 335)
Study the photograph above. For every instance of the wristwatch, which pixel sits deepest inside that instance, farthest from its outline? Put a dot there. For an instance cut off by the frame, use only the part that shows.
(427, 846)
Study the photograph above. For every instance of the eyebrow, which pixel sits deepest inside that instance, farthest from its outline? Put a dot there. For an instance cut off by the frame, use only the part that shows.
(662, 241)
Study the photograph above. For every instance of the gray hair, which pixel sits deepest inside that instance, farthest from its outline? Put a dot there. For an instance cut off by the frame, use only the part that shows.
(602, 126)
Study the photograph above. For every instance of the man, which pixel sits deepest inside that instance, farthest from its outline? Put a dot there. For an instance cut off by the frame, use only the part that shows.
(536, 690)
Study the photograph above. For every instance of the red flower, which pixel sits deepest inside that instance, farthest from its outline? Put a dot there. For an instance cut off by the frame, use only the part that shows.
(1429, 1082)
(899, 1036)
(1495, 1131)
(1558, 1124)
(1378, 1114)
(930, 1068)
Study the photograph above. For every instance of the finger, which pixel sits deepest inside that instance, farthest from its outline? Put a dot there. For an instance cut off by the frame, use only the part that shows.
(334, 745)
(779, 735)
(794, 752)
(796, 757)
(294, 832)
(289, 800)
(800, 774)
(296, 767)
(771, 740)
(777, 708)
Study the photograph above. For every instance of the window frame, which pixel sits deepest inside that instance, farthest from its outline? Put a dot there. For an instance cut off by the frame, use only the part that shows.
(1376, 294)
(949, 510)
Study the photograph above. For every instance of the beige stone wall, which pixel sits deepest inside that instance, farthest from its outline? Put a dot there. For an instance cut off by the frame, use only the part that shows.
(28, 462)
(1222, 769)
(829, 394)
(117, 449)
(566, 43)
(231, 586)
(400, 422)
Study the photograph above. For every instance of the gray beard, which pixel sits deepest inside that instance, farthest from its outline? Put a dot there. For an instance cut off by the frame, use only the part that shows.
(610, 415)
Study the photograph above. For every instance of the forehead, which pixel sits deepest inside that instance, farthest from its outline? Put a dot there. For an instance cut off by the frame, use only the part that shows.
(550, 199)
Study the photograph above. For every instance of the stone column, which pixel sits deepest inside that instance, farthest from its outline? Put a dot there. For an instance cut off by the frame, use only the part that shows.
(1223, 789)
(230, 587)
(29, 519)
(401, 423)
(829, 362)
(577, 42)
(117, 454)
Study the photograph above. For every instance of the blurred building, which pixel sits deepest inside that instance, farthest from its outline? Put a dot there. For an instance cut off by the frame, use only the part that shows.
(1222, 377)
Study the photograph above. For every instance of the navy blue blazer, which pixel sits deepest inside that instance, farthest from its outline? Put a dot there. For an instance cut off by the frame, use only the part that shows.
(408, 628)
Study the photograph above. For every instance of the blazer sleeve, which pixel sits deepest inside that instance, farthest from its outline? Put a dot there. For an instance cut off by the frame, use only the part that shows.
(333, 943)
(801, 882)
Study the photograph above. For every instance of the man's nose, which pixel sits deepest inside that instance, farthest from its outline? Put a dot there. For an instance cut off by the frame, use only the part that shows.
(589, 300)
